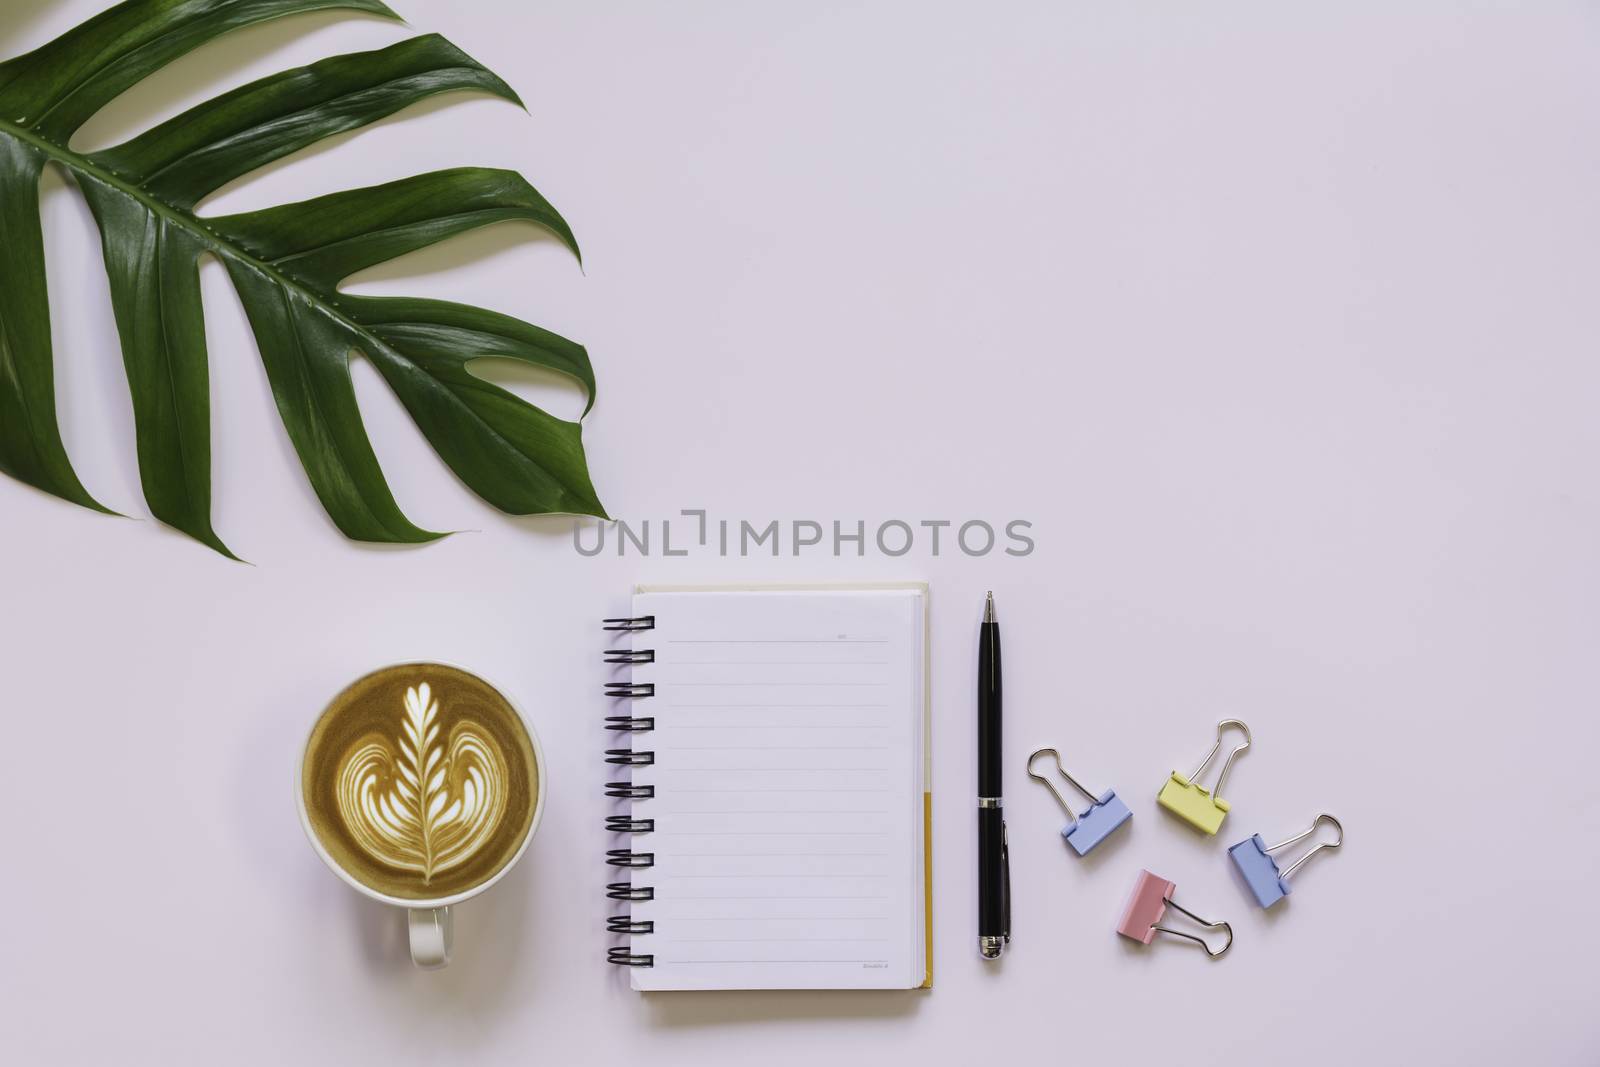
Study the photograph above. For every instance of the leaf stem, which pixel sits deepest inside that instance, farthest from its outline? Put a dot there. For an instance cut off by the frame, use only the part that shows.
(80, 164)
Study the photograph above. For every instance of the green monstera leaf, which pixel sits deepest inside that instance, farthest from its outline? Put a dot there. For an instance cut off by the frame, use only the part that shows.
(287, 264)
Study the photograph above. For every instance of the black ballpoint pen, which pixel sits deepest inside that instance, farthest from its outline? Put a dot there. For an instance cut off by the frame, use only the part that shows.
(994, 860)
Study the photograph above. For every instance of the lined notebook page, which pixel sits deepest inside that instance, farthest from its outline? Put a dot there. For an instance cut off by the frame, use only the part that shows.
(788, 775)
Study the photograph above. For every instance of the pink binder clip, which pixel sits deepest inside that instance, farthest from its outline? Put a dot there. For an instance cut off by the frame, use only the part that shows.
(1152, 896)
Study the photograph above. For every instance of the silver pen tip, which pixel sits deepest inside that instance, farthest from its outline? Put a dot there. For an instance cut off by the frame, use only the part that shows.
(990, 947)
(988, 607)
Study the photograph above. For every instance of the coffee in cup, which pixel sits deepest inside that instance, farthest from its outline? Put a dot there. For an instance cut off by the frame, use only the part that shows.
(420, 785)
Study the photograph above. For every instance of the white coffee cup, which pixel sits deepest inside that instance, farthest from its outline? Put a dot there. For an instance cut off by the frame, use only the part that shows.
(430, 921)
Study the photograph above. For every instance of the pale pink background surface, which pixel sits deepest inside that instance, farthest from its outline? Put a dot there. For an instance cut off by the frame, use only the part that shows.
(1276, 320)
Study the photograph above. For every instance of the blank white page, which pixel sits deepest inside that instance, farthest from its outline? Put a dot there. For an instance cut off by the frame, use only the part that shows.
(788, 805)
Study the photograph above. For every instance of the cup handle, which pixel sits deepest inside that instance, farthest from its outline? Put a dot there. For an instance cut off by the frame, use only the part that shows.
(432, 931)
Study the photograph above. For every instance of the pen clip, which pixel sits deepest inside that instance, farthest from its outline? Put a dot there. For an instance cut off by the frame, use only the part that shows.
(1005, 881)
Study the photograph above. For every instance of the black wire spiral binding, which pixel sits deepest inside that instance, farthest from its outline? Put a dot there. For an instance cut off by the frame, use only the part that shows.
(623, 956)
(629, 891)
(631, 724)
(627, 857)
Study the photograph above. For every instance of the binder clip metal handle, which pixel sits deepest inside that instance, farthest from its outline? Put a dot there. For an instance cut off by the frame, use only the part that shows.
(1314, 849)
(1104, 814)
(1152, 896)
(1202, 808)
(1253, 858)
(1215, 748)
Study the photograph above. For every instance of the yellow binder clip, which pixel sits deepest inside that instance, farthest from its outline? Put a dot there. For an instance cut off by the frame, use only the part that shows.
(1185, 797)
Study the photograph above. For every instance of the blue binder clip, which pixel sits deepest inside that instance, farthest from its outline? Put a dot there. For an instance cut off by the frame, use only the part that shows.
(1083, 832)
(1253, 857)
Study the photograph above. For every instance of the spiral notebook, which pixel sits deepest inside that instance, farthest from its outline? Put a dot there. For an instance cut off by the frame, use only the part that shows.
(775, 818)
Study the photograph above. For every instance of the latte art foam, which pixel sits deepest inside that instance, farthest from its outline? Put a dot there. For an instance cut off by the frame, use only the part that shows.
(433, 804)
(420, 781)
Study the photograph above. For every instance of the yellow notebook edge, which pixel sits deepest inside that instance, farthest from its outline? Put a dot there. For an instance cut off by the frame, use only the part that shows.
(927, 786)
(927, 716)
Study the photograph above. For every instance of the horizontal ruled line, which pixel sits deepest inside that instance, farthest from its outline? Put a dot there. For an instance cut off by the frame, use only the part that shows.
(764, 917)
(779, 748)
(673, 960)
(777, 811)
(773, 833)
(779, 641)
(675, 662)
(837, 707)
(775, 940)
(771, 685)
(800, 790)
(720, 896)
(764, 770)
(766, 726)
(785, 877)
(768, 855)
